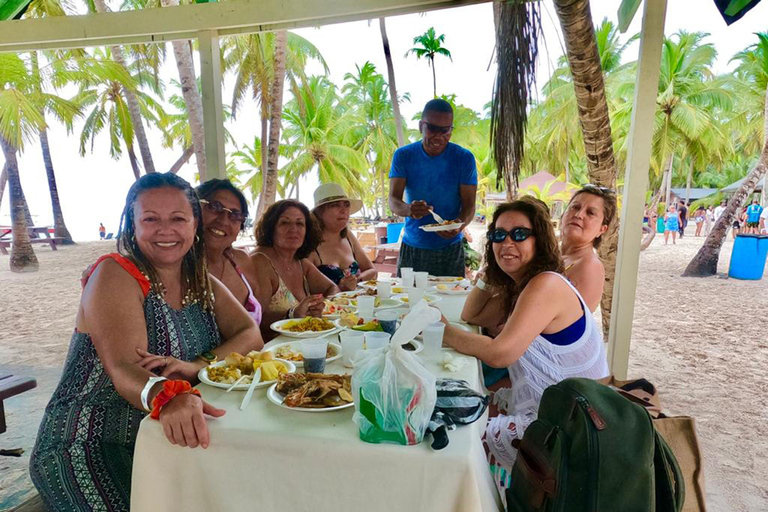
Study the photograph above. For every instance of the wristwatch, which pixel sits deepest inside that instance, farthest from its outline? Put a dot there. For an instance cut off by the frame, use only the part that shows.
(208, 357)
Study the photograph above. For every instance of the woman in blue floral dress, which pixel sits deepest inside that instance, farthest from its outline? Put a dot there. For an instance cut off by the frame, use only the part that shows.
(144, 312)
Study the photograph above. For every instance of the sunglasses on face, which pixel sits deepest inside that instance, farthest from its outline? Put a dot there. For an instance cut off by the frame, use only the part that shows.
(433, 128)
(218, 208)
(498, 235)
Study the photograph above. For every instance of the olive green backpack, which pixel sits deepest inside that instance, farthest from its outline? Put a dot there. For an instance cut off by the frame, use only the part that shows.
(592, 450)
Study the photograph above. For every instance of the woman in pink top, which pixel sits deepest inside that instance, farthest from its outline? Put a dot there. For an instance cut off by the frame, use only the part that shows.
(224, 212)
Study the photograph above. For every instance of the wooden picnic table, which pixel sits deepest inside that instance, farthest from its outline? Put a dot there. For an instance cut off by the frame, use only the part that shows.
(12, 385)
(386, 257)
(34, 234)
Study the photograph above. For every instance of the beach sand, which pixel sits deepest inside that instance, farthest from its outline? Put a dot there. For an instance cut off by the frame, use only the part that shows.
(701, 341)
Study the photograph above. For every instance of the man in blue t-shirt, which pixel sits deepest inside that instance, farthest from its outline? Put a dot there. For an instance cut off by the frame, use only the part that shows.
(753, 217)
(433, 173)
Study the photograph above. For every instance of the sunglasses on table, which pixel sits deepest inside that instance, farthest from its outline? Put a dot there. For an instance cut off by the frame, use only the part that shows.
(498, 235)
(434, 128)
(218, 208)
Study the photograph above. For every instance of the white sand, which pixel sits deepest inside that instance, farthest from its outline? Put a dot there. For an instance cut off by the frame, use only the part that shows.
(701, 341)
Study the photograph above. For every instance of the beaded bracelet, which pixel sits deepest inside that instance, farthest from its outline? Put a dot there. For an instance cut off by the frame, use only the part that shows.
(171, 388)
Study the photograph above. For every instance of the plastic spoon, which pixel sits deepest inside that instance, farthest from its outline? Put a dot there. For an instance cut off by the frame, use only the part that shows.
(249, 393)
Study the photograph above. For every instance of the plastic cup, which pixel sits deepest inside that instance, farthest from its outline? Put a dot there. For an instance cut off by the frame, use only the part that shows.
(422, 280)
(314, 352)
(351, 343)
(414, 296)
(365, 306)
(388, 320)
(406, 273)
(433, 339)
(384, 289)
(376, 339)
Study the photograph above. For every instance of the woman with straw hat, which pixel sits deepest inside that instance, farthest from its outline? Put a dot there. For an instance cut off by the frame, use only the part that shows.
(340, 257)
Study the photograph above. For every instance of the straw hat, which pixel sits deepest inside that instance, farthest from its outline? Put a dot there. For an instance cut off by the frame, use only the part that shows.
(331, 193)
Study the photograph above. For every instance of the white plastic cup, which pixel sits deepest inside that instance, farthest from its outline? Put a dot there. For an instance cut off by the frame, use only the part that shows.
(406, 273)
(388, 320)
(365, 306)
(351, 343)
(314, 352)
(384, 289)
(422, 280)
(433, 339)
(376, 339)
(414, 296)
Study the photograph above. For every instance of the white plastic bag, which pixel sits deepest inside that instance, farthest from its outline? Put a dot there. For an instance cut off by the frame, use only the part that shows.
(394, 393)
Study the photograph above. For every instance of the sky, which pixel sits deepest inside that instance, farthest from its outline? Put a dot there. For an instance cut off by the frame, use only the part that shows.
(93, 188)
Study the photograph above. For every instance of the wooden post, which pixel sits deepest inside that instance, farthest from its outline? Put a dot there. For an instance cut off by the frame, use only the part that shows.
(635, 185)
(213, 111)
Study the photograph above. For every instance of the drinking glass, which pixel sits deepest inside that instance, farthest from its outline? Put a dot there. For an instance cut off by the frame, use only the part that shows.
(433, 339)
(351, 343)
(414, 296)
(314, 351)
(384, 289)
(422, 280)
(388, 320)
(407, 274)
(376, 339)
(365, 306)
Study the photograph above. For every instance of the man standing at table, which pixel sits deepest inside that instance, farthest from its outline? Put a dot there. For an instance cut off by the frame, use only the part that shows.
(433, 173)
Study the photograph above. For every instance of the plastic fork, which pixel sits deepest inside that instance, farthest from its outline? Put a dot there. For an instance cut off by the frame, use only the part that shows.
(438, 218)
(249, 393)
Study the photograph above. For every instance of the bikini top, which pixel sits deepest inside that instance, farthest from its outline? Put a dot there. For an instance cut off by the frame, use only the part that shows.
(336, 273)
(251, 305)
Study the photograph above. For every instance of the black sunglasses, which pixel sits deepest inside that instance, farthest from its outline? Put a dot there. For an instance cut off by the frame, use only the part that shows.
(433, 128)
(498, 235)
(218, 208)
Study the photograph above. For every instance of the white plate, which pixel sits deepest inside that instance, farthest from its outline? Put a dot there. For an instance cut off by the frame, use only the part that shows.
(447, 227)
(203, 376)
(445, 279)
(392, 302)
(431, 298)
(419, 346)
(277, 399)
(296, 347)
(451, 291)
(278, 327)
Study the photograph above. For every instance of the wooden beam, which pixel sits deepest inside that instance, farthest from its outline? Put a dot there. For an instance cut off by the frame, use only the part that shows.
(635, 185)
(213, 110)
(186, 21)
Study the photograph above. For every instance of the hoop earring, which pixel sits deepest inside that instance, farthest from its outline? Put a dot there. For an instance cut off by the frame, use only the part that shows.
(197, 239)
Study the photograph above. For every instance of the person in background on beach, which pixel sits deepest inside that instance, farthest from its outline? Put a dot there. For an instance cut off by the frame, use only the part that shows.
(753, 217)
(672, 223)
(764, 222)
(719, 210)
(699, 217)
(102, 231)
(146, 325)
(225, 210)
(433, 173)
(738, 221)
(683, 210)
(709, 219)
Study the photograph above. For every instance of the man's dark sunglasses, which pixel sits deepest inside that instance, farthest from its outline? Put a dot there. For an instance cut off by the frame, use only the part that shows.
(218, 208)
(433, 128)
(498, 235)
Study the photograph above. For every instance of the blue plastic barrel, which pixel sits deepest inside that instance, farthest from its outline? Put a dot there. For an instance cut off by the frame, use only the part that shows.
(748, 257)
(393, 231)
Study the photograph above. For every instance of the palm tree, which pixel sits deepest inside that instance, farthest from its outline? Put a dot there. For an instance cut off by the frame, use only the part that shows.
(431, 45)
(269, 189)
(391, 81)
(753, 72)
(21, 107)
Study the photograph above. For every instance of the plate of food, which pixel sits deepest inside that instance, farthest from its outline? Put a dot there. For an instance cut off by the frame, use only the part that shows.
(333, 310)
(453, 289)
(312, 392)
(431, 298)
(291, 351)
(448, 225)
(240, 369)
(309, 327)
(342, 300)
(445, 279)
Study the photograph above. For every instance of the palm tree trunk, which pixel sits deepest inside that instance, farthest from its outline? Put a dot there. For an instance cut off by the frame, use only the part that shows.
(3, 181)
(130, 98)
(434, 77)
(183, 159)
(666, 182)
(705, 261)
(134, 163)
(264, 137)
(23, 258)
(584, 60)
(59, 226)
(192, 99)
(392, 86)
(269, 189)
(688, 184)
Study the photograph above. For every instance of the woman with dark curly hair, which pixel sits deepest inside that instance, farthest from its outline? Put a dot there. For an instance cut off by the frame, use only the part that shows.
(291, 286)
(549, 335)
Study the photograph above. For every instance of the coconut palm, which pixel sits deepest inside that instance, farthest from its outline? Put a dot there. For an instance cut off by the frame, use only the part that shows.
(392, 84)
(21, 117)
(753, 72)
(431, 46)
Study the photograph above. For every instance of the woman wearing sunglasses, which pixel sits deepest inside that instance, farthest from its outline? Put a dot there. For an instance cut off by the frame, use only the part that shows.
(224, 212)
(549, 334)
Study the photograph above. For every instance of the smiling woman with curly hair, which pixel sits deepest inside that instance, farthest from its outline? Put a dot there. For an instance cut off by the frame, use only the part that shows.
(549, 334)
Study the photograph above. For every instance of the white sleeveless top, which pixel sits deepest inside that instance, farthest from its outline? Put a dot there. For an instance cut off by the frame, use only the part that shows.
(542, 365)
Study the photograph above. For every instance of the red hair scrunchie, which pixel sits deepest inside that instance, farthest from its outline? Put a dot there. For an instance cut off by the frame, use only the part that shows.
(171, 388)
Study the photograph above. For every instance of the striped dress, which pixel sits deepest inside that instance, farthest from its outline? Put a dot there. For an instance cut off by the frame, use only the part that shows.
(83, 456)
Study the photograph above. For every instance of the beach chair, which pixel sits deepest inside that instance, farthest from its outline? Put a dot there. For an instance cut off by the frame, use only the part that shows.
(109, 236)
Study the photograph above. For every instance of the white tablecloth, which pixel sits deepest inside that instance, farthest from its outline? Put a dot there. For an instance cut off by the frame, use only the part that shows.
(267, 458)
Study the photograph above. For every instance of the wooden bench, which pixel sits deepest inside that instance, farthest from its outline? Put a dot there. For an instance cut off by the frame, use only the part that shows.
(386, 257)
(12, 385)
(5, 243)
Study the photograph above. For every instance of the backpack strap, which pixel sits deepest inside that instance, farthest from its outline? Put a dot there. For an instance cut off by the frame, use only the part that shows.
(127, 265)
(670, 486)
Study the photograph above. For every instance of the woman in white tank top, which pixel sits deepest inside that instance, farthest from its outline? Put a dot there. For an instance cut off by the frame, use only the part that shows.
(547, 337)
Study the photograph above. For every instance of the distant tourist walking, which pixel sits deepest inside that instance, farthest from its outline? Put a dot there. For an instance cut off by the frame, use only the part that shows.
(719, 211)
(753, 217)
(672, 223)
(709, 220)
(683, 210)
(699, 217)
(102, 231)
